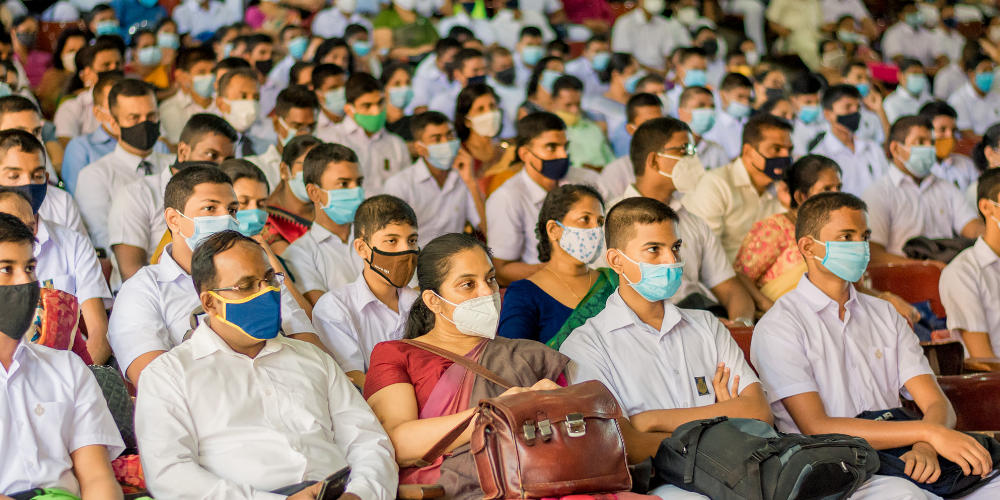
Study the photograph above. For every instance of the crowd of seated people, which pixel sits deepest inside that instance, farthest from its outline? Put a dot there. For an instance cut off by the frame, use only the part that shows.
(234, 238)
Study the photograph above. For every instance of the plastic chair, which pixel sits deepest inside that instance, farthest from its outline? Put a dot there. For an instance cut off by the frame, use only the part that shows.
(913, 282)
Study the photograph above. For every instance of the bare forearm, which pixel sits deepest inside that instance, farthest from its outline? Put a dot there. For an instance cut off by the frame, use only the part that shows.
(760, 300)
(106, 489)
(96, 319)
(735, 298)
(881, 435)
(940, 413)
(669, 420)
(130, 259)
(412, 440)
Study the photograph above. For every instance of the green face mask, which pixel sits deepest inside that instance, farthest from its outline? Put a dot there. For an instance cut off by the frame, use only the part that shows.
(371, 123)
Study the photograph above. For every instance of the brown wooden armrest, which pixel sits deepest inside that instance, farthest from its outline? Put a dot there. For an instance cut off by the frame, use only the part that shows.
(946, 357)
(975, 399)
(982, 364)
(419, 491)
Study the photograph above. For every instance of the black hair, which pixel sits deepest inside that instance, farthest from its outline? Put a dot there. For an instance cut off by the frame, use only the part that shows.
(379, 211)
(463, 104)
(989, 186)
(566, 82)
(432, 268)
(295, 96)
(85, 57)
(181, 186)
(61, 44)
(617, 64)
(17, 138)
(202, 124)
(855, 63)
(619, 225)
(420, 121)
(650, 137)
(106, 79)
(557, 45)
(686, 53)
(902, 126)
(14, 230)
(322, 156)
(458, 62)
(536, 124)
(640, 100)
(992, 139)
(323, 71)
(128, 87)
(297, 147)
(837, 92)
(239, 168)
(753, 131)
(331, 44)
(805, 172)
(297, 68)
(690, 92)
(461, 33)
(257, 39)
(360, 84)
(814, 214)
(101, 7)
(531, 31)
(536, 74)
(187, 57)
(807, 83)
(203, 271)
(232, 74)
(445, 44)
(909, 62)
(134, 42)
(557, 204)
(974, 59)
(15, 104)
(231, 63)
(934, 109)
(735, 81)
(390, 69)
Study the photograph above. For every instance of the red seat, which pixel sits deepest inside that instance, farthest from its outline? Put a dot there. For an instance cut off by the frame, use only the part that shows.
(742, 336)
(975, 398)
(912, 282)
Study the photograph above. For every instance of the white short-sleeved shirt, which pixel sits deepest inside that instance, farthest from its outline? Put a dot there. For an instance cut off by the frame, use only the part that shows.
(727, 132)
(60, 207)
(136, 215)
(899, 209)
(958, 170)
(902, 40)
(948, 80)
(970, 290)
(833, 10)
(153, 311)
(75, 116)
(440, 210)
(648, 369)
(650, 40)
(270, 163)
(902, 103)
(107, 178)
(443, 100)
(427, 79)
(975, 112)
(176, 110)
(712, 154)
(482, 28)
(331, 22)
(192, 18)
(50, 407)
(351, 320)
(211, 421)
(613, 112)
(511, 98)
(871, 127)
(858, 364)
(380, 156)
(583, 68)
(67, 261)
(321, 261)
(616, 177)
(859, 168)
(512, 212)
(803, 134)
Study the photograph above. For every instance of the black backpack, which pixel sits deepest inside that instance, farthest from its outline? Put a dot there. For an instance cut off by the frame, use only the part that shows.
(739, 458)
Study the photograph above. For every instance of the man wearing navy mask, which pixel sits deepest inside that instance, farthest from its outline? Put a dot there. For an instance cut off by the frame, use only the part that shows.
(861, 159)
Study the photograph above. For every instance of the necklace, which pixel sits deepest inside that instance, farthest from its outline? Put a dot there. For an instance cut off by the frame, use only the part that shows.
(590, 282)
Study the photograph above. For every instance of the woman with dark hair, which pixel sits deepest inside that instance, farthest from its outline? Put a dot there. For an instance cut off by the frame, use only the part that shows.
(396, 78)
(289, 210)
(420, 396)
(781, 107)
(538, 95)
(478, 120)
(334, 51)
(622, 76)
(55, 80)
(570, 237)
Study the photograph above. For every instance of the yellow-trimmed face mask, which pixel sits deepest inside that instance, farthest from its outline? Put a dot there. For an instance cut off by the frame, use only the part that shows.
(257, 316)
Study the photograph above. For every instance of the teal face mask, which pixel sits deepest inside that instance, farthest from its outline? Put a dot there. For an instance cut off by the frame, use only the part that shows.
(297, 47)
(548, 79)
(658, 281)
(695, 78)
(863, 89)
(984, 81)
(845, 259)
(531, 54)
(343, 203)
(334, 100)
(400, 97)
(916, 83)
(633, 81)
(738, 109)
(809, 114)
(921, 160)
(208, 225)
(251, 221)
(298, 187)
(203, 85)
(702, 120)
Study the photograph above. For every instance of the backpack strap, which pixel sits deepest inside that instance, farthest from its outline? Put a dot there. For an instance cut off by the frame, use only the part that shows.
(472, 366)
(815, 141)
(691, 446)
(755, 488)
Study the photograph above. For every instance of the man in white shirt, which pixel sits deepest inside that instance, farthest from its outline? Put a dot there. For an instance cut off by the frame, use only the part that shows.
(240, 411)
(19, 112)
(617, 175)
(195, 17)
(977, 105)
(295, 43)
(374, 308)
(295, 113)
(238, 101)
(970, 284)
(731, 198)
(826, 353)
(55, 427)
(332, 21)
(909, 201)
(647, 35)
(809, 121)
(329, 83)
(861, 160)
(734, 98)
(440, 186)
(912, 92)
(591, 63)
(503, 76)
(137, 127)
(696, 108)
(430, 76)
(909, 38)
(75, 115)
(196, 84)
(691, 71)
(468, 67)
(874, 124)
(666, 366)
(154, 308)
(322, 259)
(512, 210)
(135, 220)
(381, 153)
(955, 168)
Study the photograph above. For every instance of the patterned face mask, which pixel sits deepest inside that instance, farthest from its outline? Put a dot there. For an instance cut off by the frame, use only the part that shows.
(583, 244)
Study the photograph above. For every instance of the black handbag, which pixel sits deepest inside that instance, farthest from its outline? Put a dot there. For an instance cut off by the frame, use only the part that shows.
(940, 249)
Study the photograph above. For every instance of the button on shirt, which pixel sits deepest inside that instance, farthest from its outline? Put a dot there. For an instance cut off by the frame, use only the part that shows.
(858, 364)
(859, 168)
(649, 369)
(970, 290)
(440, 210)
(975, 112)
(75, 115)
(902, 103)
(107, 178)
(211, 421)
(381, 155)
(50, 407)
(351, 320)
(512, 212)
(67, 261)
(153, 310)
(136, 215)
(321, 261)
(729, 203)
(650, 40)
(60, 208)
(899, 209)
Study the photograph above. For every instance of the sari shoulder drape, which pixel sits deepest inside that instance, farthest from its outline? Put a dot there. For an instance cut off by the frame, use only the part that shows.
(592, 304)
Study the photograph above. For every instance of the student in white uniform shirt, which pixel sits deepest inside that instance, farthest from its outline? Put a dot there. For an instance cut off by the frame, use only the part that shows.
(666, 366)
(874, 124)
(467, 68)
(193, 417)
(978, 106)
(430, 77)
(322, 259)
(381, 153)
(528, 51)
(909, 201)
(950, 166)
(512, 210)
(734, 97)
(374, 308)
(986, 156)
(696, 107)
(54, 422)
(19, 112)
(912, 92)
(826, 353)
(238, 101)
(196, 83)
(691, 71)
(645, 33)
(135, 220)
(441, 186)
(295, 113)
(909, 38)
(332, 21)
(621, 74)
(328, 82)
(617, 175)
(591, 63)
(502, 79)
(75, 115)
(970, 284)
(809, 121)
(862, 160)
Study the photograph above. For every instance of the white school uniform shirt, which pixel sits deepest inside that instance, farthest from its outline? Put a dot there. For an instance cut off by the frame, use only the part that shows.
(75, 116)
(582, 68)
(269, 162)
(970, 290)
(214, 422)
(858, 364)
(616, 177)
(899, 209)
(67, 261)
(650, 40)
(948, 80)
(60, 207)
(351, 320)
(871, 127)
(648, 369)
(512, 212)
(319, 260)
(712, 154)
(958, 170)
(106, 179)
(511, 98)
(482, 28)
(804, 133)
(859, 168)
(153, 310)
(727, 132)
(440, 210)
(902, 103)
(902, 40)
(975, 112)
(136, 215)
(833, 10)
(427, 80)
(612, 112)
(444, 98)
(380, 156)
(331, 22)
(176, 110)
(192, 18)
(50, 407)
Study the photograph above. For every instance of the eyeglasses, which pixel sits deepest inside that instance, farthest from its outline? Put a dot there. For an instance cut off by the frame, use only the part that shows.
(687, 149)
(255, 285)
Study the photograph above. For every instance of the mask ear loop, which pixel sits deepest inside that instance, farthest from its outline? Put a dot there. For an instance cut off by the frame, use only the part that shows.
(630, 282)
(826, 250)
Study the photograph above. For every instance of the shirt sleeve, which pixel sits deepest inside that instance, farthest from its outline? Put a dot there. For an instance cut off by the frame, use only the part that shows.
(879, 215)
(588, 362)
(504, 226)
(961, 213)
(136, 325)
(760, 249)
(75, 157)
(961, 295)
(715, 267)
(891, 44)
(128, 222)
(94, 203)
(779, 357)
(912, 362)
(293, 318)
(964, 121)
(386, 367)
(67, 120)
(519, 313)
(729, 352)
(73, 219)
(709, 200)
(90, 281)
(302, 266)
(333, 323)
(92, 421)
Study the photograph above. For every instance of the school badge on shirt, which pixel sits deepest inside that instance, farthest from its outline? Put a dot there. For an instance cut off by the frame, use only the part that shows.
(702, 386)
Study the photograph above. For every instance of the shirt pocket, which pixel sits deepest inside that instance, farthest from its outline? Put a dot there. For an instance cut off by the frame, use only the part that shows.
(884, 361)
(47, 418)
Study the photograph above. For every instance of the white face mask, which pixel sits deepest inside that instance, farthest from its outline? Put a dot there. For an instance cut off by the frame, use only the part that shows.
(242, 114)
(477, 317)
(687, 171)
(654, 7)
(69, 61)
(347, 6)
(487, 124)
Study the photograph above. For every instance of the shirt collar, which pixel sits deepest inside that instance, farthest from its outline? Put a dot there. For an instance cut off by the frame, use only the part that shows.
(618, 315)
(168, 270)
(321, 234)
(42, 236)
(985, 256)
(205, 342)
(898, 178)
(739, 173)
(352, 127)
(126, 158)
(536, 193)
(815, 297)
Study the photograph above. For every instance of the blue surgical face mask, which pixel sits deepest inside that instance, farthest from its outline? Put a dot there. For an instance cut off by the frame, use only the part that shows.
(361, 47)
(400, 97)
(109, 27)
(845, 259)
(809, 114)
(150, 56)
(531, 54)
(921, 160)
(343, 203)
(257, 316)
(657, 281)
(548, 79)
(916, 83)
(334, 100)
(208, 225)
(298, 187)
(702, 120)
(633, 81)
(738, 109)
(168, 40)
(442, 155)
(600, 61)
(695, 78)
(863, 89)
(203, 85)
(984, 81)
(5, 89)
(251, 221)
(583, 244)
(297, 47)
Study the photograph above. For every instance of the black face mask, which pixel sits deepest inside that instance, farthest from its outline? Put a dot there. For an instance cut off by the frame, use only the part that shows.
(474, 80)
(507, 76)
(775, 168)
(36, 193)
(772, 94)
(19, 304)
(554, 169)
(711, 47)
(264, 66)
(850, 121)
(142, 135)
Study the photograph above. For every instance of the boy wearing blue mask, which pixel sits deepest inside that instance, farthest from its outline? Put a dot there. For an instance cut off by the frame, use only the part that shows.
(295, 113)
(977, 105)
(197, 89)
(912, 92)
(809, 122)
(696, 107)
(691, 71)
(732, 112)
(826, 354)
(909, 201)
(665, 365)
(328, 82)
(322, 259)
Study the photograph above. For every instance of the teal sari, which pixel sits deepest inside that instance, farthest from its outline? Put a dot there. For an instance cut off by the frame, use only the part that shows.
(592, 303)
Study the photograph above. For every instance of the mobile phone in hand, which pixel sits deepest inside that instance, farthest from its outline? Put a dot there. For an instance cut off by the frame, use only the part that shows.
(334, 485)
